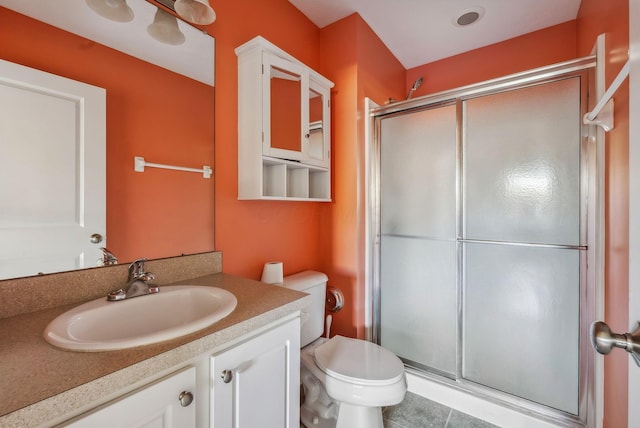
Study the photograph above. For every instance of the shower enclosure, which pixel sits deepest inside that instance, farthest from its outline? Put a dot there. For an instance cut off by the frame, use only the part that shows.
(482, 238)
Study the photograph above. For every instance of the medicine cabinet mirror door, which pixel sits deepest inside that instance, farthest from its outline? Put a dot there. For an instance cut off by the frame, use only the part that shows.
(319, 135)
(285, 115)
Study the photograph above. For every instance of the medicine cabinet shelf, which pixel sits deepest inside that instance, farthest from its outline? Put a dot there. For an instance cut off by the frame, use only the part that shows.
(282, 179)
(284, 126)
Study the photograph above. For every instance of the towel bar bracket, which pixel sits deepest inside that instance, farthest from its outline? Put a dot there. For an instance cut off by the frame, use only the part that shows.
(604, 118)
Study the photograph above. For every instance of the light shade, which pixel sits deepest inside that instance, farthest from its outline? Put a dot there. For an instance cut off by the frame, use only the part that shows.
(195, 11)
(165, 28)
(115, 10)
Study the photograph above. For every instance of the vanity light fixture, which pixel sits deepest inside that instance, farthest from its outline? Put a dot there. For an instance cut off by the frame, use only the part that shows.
(115, 10)
(165, 28)
(197, 12)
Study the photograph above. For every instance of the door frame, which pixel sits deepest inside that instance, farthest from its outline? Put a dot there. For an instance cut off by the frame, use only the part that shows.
(634, 202)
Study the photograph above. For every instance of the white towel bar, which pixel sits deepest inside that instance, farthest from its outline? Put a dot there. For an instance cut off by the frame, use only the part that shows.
(140, 163)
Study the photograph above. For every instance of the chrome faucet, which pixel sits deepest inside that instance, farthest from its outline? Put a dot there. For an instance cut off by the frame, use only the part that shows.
(108, 258)
(137, 283)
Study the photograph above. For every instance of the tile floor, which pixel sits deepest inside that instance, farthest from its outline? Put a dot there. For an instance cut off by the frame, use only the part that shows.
(418, 412)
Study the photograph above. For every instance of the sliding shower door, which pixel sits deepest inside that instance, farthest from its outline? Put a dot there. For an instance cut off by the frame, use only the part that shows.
(522, 243)
(418, 237)
(482, 242)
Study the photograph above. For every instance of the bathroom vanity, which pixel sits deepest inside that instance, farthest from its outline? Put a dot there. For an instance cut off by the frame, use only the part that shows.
(243, 368)
(246, 385)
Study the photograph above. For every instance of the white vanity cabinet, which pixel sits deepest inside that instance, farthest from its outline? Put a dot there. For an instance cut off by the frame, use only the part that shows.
(254, 382)
(167, 403)
(284, 126)
(257, 383)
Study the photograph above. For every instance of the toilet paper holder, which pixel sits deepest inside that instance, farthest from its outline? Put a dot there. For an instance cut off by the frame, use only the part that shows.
(335, 299)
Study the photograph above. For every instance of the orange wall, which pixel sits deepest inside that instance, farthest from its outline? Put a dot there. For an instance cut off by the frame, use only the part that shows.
(612, 17)
(355, 59)
(250, 233)
(151, 112)
(536, 49)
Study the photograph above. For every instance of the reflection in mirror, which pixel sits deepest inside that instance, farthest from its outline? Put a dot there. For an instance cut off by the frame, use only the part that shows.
(286, 105)
(56, 216)
(162, 114)
(193, 58)
(165, 28)
(316, 138)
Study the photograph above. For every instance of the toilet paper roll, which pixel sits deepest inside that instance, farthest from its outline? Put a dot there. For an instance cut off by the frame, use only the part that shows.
(272, 273)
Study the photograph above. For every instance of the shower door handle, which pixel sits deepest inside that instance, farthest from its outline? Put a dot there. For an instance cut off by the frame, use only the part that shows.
(603, 340)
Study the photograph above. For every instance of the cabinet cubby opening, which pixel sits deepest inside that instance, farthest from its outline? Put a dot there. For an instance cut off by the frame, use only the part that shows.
(274, 178)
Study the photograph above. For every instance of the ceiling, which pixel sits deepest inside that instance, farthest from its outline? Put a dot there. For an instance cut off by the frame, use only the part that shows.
(422, 31)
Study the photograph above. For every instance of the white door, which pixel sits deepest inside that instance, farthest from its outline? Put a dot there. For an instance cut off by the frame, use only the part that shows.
(52, 172)
(634, 204)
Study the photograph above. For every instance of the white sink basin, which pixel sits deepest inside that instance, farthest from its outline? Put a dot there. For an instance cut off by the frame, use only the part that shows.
(175, 311)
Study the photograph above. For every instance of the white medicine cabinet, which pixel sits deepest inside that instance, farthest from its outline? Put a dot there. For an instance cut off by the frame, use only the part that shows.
(284, 126)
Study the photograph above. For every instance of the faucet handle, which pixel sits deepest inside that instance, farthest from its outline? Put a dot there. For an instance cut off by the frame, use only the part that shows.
(136, 268)
(147, 276)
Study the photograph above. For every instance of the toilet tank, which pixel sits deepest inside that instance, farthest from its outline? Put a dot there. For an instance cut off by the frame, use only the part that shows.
(312, 317)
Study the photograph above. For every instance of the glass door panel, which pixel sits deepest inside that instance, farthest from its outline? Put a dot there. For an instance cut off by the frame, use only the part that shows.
(418, 232)
(521, 321)
(522, 165)
(418, 302)
(418, 174)
(522, 188)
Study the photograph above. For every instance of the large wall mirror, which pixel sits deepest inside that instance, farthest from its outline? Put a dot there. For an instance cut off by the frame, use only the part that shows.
(158, 77)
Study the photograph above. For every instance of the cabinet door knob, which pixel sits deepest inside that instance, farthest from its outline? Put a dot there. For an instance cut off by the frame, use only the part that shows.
(226, 376)
(185, 398)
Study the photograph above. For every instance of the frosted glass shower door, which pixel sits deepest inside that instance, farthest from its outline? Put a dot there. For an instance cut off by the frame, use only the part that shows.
(522, 239)
(418, 237)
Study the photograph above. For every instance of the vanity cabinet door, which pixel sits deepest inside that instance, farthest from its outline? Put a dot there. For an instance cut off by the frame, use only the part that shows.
(257, 383)
(164, 404)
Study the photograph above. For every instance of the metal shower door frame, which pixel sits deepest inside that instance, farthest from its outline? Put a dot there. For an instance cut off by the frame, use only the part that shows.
(588, 279)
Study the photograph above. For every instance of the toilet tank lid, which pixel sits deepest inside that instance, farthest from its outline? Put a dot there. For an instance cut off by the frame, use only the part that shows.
(302, 281)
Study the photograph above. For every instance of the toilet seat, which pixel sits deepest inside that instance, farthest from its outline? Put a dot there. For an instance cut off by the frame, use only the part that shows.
(358, 362)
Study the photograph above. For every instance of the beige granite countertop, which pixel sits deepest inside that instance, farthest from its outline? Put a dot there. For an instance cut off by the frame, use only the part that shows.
(39, 381)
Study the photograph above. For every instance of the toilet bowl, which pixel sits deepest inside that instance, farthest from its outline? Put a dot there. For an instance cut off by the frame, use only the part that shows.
(345, 382)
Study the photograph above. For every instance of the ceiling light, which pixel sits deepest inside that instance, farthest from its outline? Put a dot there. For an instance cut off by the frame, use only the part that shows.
(468, 16)
(115, 10)
(165, 28)
(195, 11)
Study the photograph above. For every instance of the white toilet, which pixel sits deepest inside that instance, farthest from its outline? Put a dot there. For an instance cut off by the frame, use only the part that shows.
(346, 381)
